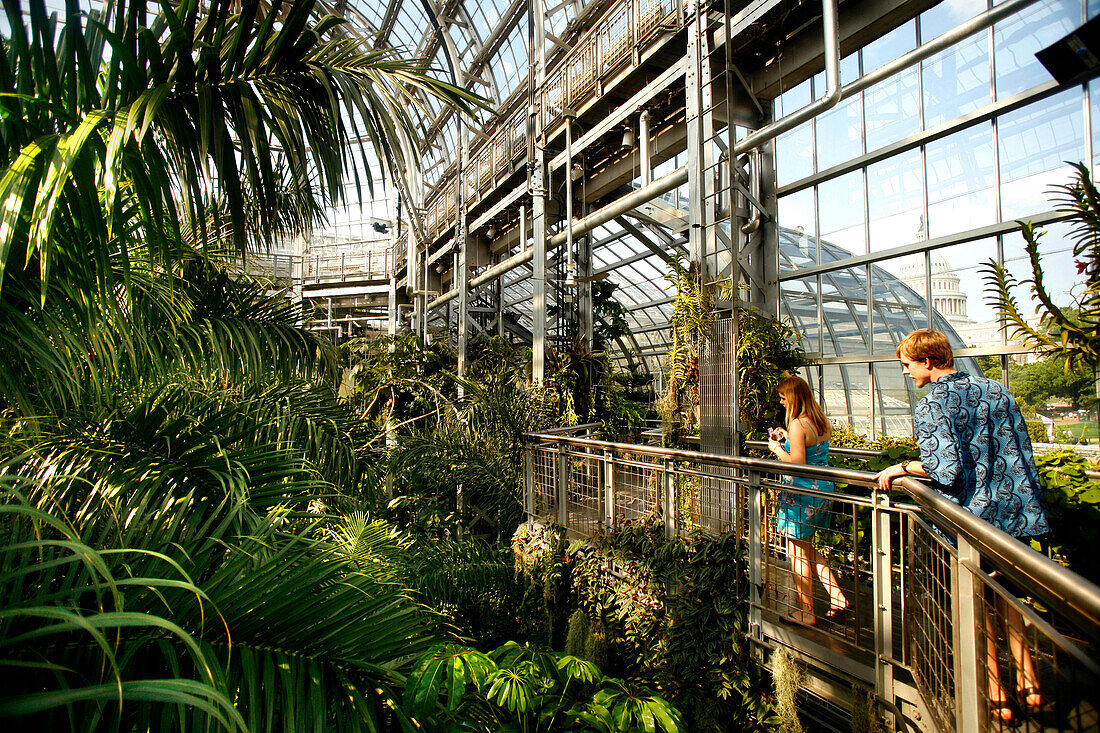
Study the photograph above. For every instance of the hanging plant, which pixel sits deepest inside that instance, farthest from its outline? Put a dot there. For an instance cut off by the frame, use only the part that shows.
(767, 350)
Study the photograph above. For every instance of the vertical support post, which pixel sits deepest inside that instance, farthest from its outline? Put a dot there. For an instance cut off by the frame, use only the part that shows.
(609, 487)
(968, 651)
(645, 153)
(563, 485)
(391, 301)
(529, 481)
(755, 555)
(668, 496)
(537, 184)
(882, 577)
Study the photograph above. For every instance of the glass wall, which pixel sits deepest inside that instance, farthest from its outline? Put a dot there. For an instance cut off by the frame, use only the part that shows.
(891, 204)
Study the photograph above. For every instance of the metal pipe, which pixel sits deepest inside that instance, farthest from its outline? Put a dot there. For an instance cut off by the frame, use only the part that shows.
(645, 153)
(679, 176)
(570, 264)
(661, 186)
(833, 91)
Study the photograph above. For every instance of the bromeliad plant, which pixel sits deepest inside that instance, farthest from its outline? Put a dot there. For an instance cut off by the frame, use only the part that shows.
(1072, 332)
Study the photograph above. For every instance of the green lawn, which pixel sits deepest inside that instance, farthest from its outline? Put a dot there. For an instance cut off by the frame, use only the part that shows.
(1076, 428)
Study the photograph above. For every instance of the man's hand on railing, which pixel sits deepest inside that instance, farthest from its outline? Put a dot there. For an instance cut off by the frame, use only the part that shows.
(906, 468)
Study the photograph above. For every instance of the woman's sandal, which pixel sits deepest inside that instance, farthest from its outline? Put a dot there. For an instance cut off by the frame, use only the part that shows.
(835, 614)
(1001, 710)
(1028, 697)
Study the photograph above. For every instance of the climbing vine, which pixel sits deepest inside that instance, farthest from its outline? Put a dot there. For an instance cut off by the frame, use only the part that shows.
(767, 350)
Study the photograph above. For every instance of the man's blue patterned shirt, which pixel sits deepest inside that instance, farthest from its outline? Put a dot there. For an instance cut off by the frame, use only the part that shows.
(975, 447)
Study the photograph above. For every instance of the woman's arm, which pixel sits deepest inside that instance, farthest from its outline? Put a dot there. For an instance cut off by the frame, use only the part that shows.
(796, 433)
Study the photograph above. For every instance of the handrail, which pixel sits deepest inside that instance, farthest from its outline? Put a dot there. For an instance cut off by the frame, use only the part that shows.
(1076, 595)
(1038, 573)
(833, 450)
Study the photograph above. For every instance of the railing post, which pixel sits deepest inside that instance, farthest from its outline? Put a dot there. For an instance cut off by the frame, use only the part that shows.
(529, 481)
(668, 496)
(967, 652)
(755, 556)
(563, 485)
(882, 575)
(609, 487)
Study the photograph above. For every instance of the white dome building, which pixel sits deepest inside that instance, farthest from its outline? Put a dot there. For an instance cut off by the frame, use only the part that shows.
(947, 296)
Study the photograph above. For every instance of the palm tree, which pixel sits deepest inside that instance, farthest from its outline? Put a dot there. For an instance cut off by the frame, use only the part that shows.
(173, 444)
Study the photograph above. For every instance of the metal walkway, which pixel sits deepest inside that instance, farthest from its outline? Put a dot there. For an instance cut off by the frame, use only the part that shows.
(922, 576)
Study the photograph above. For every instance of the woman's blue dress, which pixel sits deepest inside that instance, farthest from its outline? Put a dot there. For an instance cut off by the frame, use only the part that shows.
(798, 516)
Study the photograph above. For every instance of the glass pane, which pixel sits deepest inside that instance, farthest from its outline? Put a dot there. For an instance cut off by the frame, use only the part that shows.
(1094, 120)
(1056, 258)
(1016, 40)
(793, 99)
(848, 396)
(894, 201)
(1034, 143)
(840, 212)
(892, 108)
(885, 49)
(796, 215)
(897, 287)
(839, 134)
(895, 399)
(798, 305)
(794, 154)
(958, 293)
(960, 181)
(956, 81)
(844, 305)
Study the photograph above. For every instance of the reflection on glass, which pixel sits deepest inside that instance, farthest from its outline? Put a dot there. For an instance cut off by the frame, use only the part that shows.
(960, 181)
(1034, 142)
(900, 305)
(794, 154)
(956, 81)
(839, 134)
(895, 201)
(1016, 40)
(892, 108)
(840, 211)
(847, 391)
(796, 213)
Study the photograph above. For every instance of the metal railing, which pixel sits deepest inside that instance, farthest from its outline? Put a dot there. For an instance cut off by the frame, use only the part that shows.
(608, 46)
(345, 266)
(930, 585)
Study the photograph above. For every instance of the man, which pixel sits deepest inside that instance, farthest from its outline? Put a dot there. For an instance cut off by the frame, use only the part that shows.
(975, 449)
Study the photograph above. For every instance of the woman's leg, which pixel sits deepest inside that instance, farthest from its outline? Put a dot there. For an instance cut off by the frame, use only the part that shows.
(837, 600)
(799, 552)
(998, 700)
(1027, 679)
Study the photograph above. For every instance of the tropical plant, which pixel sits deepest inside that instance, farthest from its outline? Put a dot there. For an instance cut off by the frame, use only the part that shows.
(521, 688)
(689, 644)
(172, 436)
(1072, 332)
(767, 350)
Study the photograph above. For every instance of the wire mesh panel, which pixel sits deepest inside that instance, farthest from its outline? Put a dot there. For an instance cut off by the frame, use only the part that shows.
(635, 493)
(930, 621)
(1037, 680)
(544, 470)
(583, 494)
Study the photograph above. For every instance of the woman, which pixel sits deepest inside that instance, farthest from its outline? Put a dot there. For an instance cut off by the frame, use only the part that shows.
(798, 516)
